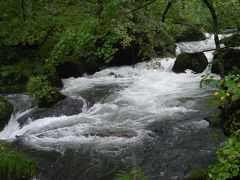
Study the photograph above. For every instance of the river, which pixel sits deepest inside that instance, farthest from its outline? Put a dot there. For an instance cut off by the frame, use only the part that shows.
(144, 116)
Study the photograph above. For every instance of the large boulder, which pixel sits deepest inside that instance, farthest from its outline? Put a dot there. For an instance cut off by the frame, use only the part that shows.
(6, 110)
(233, 40)
(226, 60)
(67, 107)
(197, 62)
(77, 68)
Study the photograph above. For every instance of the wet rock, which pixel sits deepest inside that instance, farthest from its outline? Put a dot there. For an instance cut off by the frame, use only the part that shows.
(67, 107)
(213, 121)
(55, 80)
(230, 30)
(49, 101)
(123, 134)
(76, 69)
(6, 110)
(233, 40)
(198, 174)
(197, 62)
(98, 94)
(115, 75)
(227, 60)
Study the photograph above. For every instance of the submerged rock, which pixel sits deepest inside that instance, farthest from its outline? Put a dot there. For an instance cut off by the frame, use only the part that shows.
(227, 60)
(197, 62)
(6, 110)
(67, 107)
(123, 134)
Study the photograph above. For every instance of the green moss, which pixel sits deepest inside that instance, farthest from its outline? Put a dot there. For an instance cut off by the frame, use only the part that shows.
(5, 112)
(15, 166)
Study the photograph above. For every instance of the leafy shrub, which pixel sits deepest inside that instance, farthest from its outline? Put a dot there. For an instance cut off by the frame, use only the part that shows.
(39, 88)
(228, 158)
(135, 174)
(14, 166)
(227, 99)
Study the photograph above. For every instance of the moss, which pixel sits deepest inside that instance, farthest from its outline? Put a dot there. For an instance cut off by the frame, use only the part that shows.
(198, 174)
(6, 110)
(15, 166)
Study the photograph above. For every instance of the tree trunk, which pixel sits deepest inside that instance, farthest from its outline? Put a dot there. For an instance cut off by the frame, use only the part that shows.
(23, 10)
(168, 7)
(209, 5)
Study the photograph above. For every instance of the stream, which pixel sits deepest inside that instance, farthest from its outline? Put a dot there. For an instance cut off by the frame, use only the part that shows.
(146, 116)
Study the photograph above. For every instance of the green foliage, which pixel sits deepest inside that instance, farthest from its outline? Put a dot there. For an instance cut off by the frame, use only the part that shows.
(135, 174)
(15, 166)
(227, 98)
(5, 107)
(113, 30)
(6, 110)
(39, 88)
(228, 158)
(228, 89)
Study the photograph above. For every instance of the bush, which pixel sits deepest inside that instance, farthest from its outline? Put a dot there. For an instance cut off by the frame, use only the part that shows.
(40, 89)
(228, 157)
(227, 99)
(14, 166)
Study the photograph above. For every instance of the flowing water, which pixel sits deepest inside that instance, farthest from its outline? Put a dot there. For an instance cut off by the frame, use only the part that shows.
(144, 116)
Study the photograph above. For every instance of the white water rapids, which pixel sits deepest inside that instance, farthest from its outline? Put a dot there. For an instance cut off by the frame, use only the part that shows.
(138, 97)
(145, 115)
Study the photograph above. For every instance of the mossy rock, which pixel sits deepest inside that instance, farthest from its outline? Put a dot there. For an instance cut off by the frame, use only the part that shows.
(50, 99)
(6, 110)
(189, 34)
(198, 174)
(233, 40)
(77, 68)
(41, 90)
(15, 166)
(226, 60)
(197, 62)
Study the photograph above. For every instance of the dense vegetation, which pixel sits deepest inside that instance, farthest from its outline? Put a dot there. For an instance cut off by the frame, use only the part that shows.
(15, 166)
(44, 41)
(38, 37)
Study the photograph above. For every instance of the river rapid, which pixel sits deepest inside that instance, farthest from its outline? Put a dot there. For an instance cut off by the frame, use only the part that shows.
(146, 116)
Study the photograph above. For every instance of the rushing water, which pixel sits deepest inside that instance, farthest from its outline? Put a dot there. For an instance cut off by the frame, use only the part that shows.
(144, 116)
